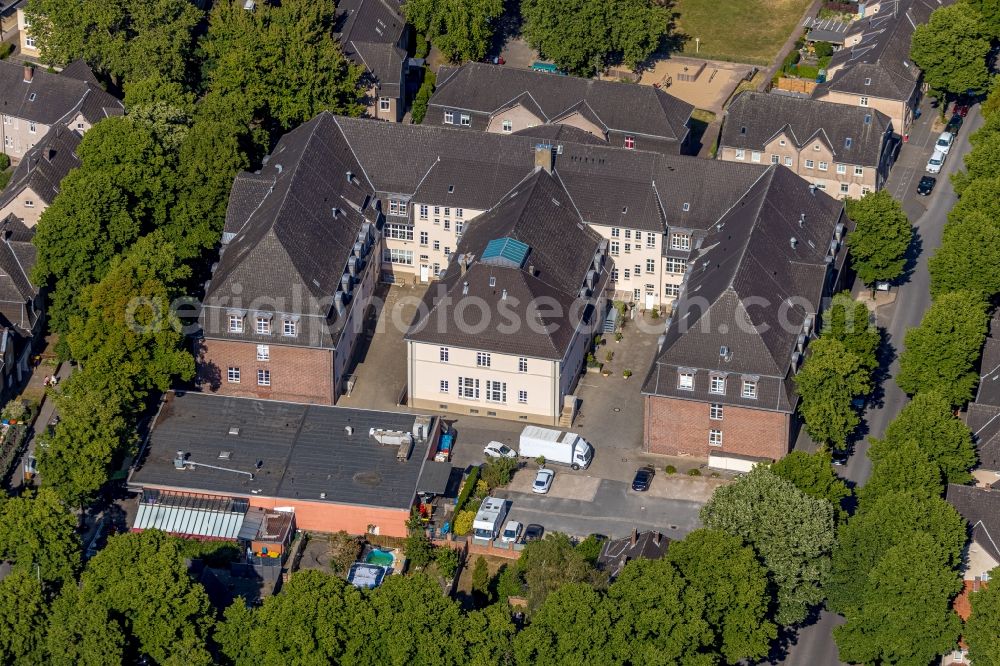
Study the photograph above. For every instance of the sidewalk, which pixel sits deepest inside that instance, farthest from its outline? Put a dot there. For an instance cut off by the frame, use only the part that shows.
(813, 10)
(46, 413)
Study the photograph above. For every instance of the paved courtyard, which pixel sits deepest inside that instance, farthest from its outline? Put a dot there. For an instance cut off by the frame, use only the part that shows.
(709, 91)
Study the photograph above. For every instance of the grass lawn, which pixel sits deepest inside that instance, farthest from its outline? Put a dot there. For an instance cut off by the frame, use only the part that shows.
(750, 31)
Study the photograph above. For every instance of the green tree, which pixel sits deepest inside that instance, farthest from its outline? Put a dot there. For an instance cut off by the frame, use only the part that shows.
(943, 351)
(792, 533)
(983, 625)
(983, 161)
(419, 108)
(460, 29)
(497, 472)
(490, 634)
(886, 521)
(880, 239)
(591, 548)
(23, 616)
(141, 579)
(573, 626)
(901, 467)
(312, 621)
(849, 322)
(904, 615)
(979, 196)
(408, 621)
(738, 600)
(548, 564)
(951, 50)
(582, 36)
(829, 380)
(419, 549)
(967, 258)
(656, 618)
(82, 633)
(812, 473)
(447, 560)
(481, 577)
(929, 422)
(38, 535)
(278, 65)
(126, 40)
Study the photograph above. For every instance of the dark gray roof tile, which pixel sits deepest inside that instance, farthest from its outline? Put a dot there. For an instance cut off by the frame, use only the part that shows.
(44, 166)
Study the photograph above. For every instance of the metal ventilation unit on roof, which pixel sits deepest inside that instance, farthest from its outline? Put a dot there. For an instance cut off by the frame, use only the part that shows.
(234, 431)
(181, 462)
(725, 353)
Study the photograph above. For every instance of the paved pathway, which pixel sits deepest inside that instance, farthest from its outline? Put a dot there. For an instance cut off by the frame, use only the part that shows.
(46, 413)
(811, 11)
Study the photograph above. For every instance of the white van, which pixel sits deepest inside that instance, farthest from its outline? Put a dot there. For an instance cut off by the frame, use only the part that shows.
(936, 161)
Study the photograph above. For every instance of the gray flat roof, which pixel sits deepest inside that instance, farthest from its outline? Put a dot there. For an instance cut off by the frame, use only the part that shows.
(304, 451)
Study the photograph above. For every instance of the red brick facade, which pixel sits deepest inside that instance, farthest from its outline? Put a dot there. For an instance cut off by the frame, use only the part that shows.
(681, 428)
(298, 374)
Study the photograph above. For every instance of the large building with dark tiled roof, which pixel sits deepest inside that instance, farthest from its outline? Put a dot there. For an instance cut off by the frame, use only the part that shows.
(374, 35)
(491, 98)
(845, 151)
(342, 202)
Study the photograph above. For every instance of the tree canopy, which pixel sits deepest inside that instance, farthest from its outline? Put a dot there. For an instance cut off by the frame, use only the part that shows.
(941, 353)
(38, 535)
(880, 239)
(582, 36)
(460, 29)
(968, 257)
(983, 625)
(23, 619)
(951, 50)
(829, 380)
(850, 322)
(812, 473)
(792, 533)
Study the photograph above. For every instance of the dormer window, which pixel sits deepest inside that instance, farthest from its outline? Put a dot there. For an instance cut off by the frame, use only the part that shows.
(743, 130)
(717, 384)
(263, 324)
(685, 380)
(28, 203)
(289, 328)
(31, 97)
(397, 207)
(868, 82)
(235, 323)
(630, 142)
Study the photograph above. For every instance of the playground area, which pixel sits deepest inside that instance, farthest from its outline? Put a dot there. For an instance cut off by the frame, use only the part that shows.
(705, 84)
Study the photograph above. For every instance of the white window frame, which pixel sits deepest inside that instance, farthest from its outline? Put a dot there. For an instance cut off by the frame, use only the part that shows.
(449, 117)
(749, 389)
(859, 171)
(423, 211)
(650, 266)
(289, 328)
(680, 242)
(841, 169)
(863, 101)
(468, 388)
(507, 126)
(384, 103)
(483, 359)
(496, 391)
(788, 161)
(263, 352)
(810, 164)
(235, 323)
(630, 142)
(522, 364)
(444, 353)
(717, 384)
(465, 120)
(715, 411)
(715, 437)
(675, 266)
(443, 386)
(233, 375)
(522, 397)
(755, 156)
(823, 166)
(685, 381)
(263, 325)
(740, 154)
(263, 377)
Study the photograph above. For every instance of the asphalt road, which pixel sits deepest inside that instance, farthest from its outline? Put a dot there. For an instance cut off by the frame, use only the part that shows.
(814, 645)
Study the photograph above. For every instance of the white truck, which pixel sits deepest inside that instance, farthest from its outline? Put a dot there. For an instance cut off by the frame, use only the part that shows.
(489, 519)
(556, 446)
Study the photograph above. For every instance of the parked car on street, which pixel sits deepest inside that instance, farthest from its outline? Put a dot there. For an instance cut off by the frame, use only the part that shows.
(954, 124)
(840, 457)
(943, 144)
(511, 532)
(643, 478)
(926, 185)
(543, 481)
(533, 532)
(498, 450)
(961, 108)
(935, 163)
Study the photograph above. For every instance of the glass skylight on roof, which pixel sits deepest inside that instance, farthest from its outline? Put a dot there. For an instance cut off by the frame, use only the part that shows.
(506, 250)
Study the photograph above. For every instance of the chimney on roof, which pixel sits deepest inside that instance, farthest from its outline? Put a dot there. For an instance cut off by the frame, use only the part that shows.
(656, 538)
(793, 242)
(29, 72)
(812, 189)
(635, 536)
(802, 219)
(544, 157)
(465, 288)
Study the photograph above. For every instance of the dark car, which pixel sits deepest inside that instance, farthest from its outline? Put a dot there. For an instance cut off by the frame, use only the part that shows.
(954, 124)
(840, 456)
(961, 109)
(643, 477)
(533, 532)
(926, 185)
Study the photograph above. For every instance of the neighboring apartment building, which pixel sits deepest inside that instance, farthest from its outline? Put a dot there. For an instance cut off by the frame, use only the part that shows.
(283, 310)
(874, 70)
(847, 152)
(374, 35)
(983, 414)
(9, 17)
(33, 100)
(530, 259)
(21, 304)
(980, 507)
(722, 386)
(35, 182)
(27, 41)
(492, 98)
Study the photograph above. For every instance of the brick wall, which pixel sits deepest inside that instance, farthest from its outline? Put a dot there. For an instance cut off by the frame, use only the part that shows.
(298, 374)
(681, 427)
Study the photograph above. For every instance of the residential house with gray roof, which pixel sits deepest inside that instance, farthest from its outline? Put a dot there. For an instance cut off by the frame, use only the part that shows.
(722, 385)
(983, 414)
(21, 304)
(427, 200)
(32, 101)
(492, 98)
(847, 152)
(374, 35)
(874, 70)
(36, 179)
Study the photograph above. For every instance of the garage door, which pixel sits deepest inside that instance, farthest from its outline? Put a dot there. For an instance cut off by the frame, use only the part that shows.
(731, 463)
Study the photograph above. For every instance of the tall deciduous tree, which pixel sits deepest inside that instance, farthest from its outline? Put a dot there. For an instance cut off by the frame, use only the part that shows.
(901, 467)
(886, 521)
(967, 258)
(929, 422)
(460, 29)
(983, 626)
(849, 322)
(571, 627)
(582, 36)
(82, 633)
(738, 600)
(904, 615)
(547, 564)
(942, 352)
(812, 473)
(980, 195)
(490, 636)
(829, 380)
(792, 533)
(38, 535)
(880, 239)
(23, 618)
(951, 50)
(127, 40)
(983, 161)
